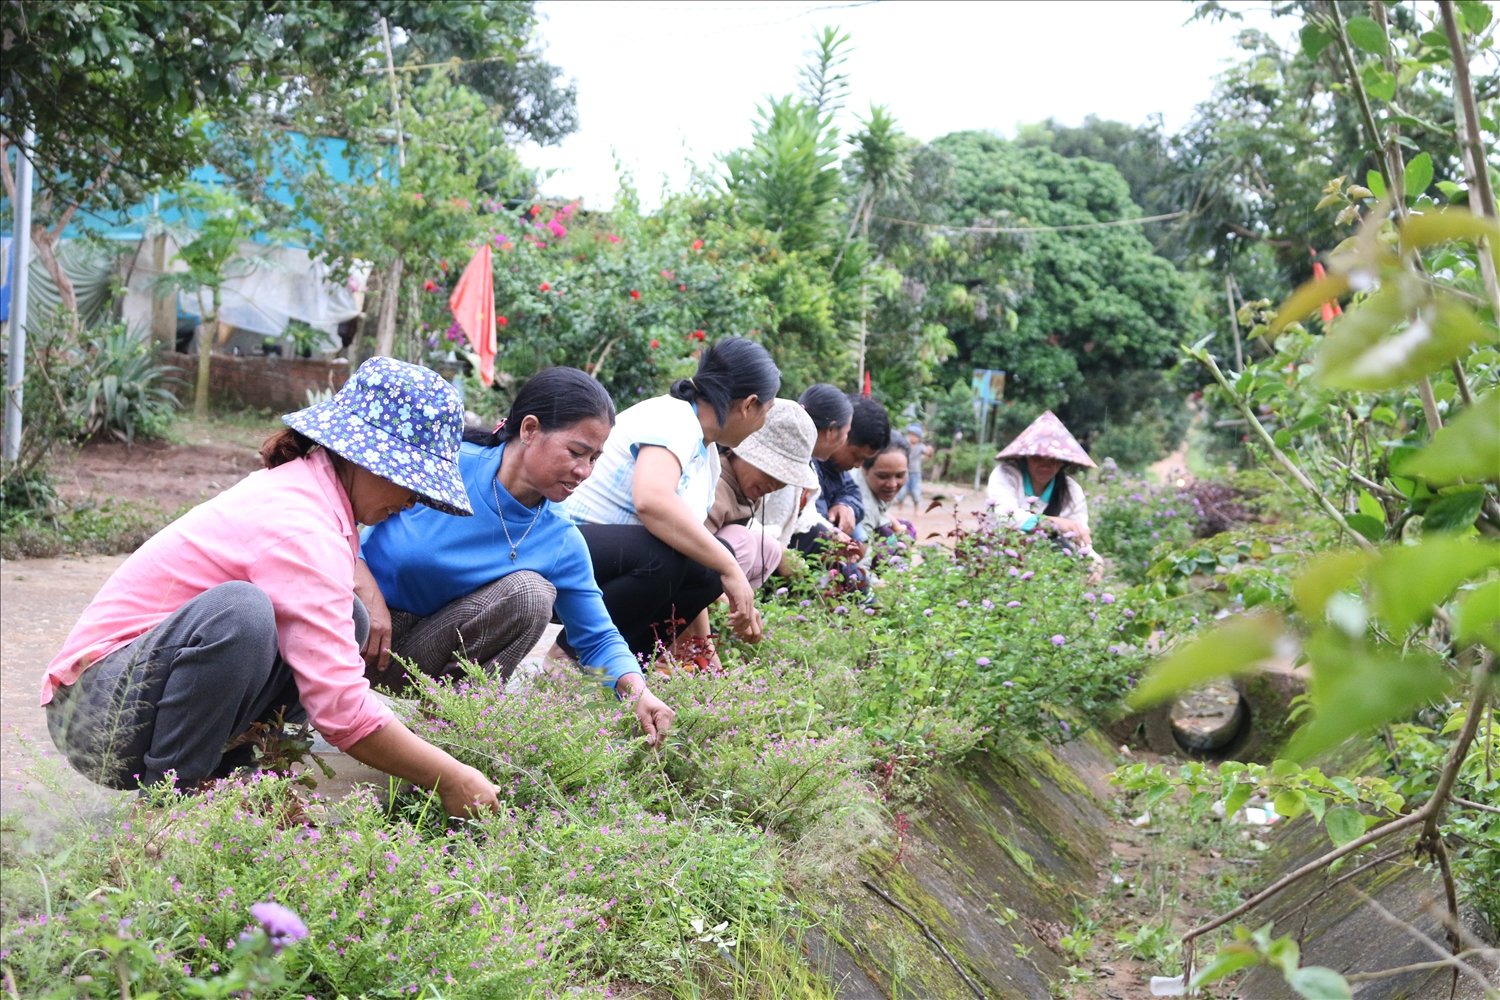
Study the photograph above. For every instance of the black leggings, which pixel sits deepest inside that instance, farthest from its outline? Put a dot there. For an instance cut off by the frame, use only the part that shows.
(650, 589)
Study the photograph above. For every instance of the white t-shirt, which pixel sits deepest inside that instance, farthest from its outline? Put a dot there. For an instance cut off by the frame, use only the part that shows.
(663, 421)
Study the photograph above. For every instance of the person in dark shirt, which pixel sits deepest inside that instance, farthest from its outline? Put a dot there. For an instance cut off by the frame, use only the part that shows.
(839, 504)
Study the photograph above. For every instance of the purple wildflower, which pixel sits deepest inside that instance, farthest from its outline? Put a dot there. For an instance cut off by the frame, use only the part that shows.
(1012, 604)
(926, 612)
(983, 661)
(1059, 640)
(282, 926)
(987, 604)
(840, 610)
(1107, 598)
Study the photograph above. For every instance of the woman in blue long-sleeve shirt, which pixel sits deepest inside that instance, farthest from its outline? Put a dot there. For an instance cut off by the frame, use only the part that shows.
(485, 593)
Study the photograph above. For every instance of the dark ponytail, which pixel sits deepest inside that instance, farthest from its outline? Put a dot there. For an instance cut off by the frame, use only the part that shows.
(827, 405)
(284, 446)
(734, 368)
(557, 397)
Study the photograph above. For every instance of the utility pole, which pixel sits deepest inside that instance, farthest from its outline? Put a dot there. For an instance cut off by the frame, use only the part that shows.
(15, 368)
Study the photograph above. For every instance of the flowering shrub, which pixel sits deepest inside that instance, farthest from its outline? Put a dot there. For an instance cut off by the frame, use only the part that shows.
(1030, 647)
(609, 861)
(1132, 519)
(628, 298)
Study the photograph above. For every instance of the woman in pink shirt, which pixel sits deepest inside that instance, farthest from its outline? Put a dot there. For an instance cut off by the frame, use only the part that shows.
(244, 608)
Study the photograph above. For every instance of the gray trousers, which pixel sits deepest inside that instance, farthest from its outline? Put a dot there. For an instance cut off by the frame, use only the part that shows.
(173, 698)
(495, 627)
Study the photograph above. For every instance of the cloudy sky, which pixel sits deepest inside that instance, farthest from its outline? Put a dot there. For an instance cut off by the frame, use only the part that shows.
(663, 86)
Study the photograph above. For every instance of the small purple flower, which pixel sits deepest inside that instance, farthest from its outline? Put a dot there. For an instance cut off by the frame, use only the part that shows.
(983, 661)
(1009, 684)
(1088, 595)
(926, 612)
(781, 591)
(963, 604)
(1063, 725)
(1059, 640)
(1107, 598)
(987, 604)
(1128, 613)
(1028, 575)
(1012, 604)
(804, 604)
(840, 610)
(869, 611)
(1013, 553)
(282, 926)
(1013, 572)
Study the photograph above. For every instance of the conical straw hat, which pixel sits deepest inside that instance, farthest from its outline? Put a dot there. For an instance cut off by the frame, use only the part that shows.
(1047, 438)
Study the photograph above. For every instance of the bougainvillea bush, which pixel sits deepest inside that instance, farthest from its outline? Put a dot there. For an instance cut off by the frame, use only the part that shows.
(610, 862)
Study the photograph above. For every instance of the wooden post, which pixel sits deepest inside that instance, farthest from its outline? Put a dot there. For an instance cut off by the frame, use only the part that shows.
(163, 298)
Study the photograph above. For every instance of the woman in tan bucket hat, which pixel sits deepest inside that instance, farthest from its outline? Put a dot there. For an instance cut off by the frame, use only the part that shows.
(1031, 486)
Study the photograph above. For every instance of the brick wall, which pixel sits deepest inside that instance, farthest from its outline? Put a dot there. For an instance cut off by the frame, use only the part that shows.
(268, 383)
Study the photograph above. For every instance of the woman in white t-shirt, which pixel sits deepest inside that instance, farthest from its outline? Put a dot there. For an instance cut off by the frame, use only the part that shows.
(642, 512)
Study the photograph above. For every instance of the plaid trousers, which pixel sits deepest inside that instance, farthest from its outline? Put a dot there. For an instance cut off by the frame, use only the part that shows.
(494, 627)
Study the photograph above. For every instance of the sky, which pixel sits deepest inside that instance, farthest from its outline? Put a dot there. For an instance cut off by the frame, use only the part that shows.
(665, 85)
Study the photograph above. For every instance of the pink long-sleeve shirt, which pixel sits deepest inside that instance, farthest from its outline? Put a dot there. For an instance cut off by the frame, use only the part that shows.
(289, 531)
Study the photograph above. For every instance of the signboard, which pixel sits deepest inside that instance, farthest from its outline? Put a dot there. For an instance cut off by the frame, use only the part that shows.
(989, 385)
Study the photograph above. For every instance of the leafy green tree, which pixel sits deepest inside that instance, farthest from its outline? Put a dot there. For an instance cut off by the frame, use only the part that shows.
(1002, 246)
(124, 98)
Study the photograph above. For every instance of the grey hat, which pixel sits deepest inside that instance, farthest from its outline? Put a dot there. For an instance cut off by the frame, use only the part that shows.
(400, 421)
(782, 448)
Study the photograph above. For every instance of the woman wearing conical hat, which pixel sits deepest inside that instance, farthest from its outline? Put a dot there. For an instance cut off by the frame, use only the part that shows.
(1031, 486)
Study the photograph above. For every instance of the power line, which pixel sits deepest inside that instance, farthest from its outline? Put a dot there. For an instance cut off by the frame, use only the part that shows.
(1033, 229)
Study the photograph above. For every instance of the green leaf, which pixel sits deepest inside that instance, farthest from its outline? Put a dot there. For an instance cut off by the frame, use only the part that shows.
(1375, 182)
(1314, 40)
(1407, 581)
(1447, 224)
(1353, 691)
(1344, 823)
(1418, 173)
(1369, 527)
(1368, 35)
(1476, 15)
(1229, 959)
(1318, 982)
(1378, 83)
(1362, 352)
(1238, 795)
(1370, 507)
(1479, 616)
(1326, 576)
(1236, 647)
(1307, 298)
(1468, 448)
(1289, 803)
(1455, 510)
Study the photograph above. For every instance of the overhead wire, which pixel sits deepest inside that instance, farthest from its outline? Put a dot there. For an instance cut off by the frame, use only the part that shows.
(1033, 229)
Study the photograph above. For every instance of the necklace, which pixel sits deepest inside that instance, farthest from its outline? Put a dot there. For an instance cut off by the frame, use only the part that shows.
(494, 488)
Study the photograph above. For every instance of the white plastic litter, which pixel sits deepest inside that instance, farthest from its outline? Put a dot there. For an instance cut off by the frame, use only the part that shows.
(1167, 986)
(1260, 815)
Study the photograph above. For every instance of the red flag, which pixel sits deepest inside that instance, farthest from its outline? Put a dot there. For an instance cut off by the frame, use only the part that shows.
(1329, 309)
(473, 305)
(866, 390)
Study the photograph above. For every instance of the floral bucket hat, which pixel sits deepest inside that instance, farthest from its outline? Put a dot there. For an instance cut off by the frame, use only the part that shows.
(782, 448)
(1047, 438)
(400, 421)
